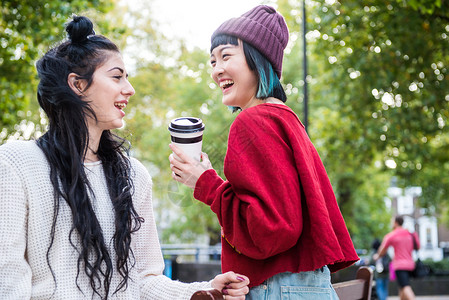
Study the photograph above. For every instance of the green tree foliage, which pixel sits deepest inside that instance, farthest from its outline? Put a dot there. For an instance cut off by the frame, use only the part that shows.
(27, 29)
(383, 68)
(425, 6)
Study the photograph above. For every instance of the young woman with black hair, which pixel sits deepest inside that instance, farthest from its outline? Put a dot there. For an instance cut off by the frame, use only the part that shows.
(281, 225)
(76, 219)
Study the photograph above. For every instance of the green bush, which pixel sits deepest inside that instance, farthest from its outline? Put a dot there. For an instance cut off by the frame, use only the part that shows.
(438, 267)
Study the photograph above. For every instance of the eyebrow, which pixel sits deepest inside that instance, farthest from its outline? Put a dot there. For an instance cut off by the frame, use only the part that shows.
(118, 68)
(223, 48)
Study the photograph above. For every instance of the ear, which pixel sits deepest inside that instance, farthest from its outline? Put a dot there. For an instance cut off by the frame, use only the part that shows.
(76, 84)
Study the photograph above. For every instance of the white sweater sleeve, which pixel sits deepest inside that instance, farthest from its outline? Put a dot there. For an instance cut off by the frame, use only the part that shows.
(150, 264)
(15, 273)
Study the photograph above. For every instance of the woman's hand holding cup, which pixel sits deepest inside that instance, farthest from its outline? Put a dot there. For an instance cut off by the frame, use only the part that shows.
(186, 169)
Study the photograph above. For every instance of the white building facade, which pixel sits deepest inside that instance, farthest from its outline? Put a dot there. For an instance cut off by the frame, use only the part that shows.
(403, 202)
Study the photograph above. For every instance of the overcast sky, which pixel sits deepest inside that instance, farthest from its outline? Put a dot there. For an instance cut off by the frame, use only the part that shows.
(197, 19)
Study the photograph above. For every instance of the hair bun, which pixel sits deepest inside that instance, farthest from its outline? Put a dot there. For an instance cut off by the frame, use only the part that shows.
(79, 29)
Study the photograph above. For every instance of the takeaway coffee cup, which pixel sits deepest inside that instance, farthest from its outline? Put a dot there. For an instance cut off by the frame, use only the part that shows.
(187, 134)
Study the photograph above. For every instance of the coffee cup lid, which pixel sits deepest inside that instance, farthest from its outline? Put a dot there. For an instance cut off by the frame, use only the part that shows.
(186, 125)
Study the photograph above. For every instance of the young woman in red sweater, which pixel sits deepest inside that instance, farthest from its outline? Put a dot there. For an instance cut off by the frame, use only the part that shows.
(281, 225)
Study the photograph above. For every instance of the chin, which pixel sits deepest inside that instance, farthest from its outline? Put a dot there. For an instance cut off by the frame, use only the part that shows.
(116, 125)
(227, 102)
(119, 126)
(122, 125)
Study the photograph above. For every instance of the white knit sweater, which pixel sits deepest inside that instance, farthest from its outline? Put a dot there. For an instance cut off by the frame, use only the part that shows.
(26, 214)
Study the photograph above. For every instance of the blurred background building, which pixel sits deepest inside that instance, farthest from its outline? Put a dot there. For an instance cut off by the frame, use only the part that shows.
(434, 237)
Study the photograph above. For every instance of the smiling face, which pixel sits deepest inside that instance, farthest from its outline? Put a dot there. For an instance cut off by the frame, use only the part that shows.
(109, 93)
(232, 74)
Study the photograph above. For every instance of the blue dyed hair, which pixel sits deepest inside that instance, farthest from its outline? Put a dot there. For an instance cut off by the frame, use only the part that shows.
(269, 84)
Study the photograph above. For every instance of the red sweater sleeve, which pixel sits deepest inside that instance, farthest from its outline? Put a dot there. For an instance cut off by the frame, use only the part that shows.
(259, 206)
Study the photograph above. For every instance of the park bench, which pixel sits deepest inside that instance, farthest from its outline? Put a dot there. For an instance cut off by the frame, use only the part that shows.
(356, 289)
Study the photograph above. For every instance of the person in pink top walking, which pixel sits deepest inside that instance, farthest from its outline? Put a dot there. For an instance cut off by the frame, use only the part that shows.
(402, 242)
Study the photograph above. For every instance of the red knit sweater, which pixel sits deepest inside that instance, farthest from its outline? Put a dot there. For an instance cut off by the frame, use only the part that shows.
(277, 208)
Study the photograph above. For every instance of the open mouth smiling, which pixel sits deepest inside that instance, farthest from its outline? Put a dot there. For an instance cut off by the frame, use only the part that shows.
(120, 105)
(226, 84)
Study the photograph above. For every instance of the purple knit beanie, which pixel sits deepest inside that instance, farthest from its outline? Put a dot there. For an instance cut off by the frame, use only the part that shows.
(263, 28)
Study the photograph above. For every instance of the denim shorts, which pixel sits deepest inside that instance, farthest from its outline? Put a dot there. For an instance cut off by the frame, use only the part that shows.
(313, 285)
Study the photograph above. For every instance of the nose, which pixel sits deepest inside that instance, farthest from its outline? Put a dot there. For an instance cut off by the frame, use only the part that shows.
(217, 70)
(128, 89)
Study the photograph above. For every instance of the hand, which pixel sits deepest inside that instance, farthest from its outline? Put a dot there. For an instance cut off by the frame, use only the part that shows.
(232, 285)
(375, 256)
(186, 169)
